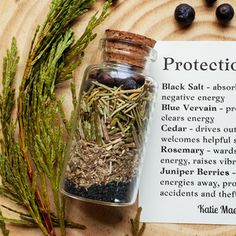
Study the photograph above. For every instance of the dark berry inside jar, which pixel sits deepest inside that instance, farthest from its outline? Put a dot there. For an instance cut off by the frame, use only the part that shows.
(119, 81)
(140, 80)
(129, 84)
(105, 78)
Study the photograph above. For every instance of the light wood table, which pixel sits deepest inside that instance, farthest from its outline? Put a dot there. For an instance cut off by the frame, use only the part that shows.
(153, 18)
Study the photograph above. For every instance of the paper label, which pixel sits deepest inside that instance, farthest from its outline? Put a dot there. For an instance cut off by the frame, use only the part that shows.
(189, 173)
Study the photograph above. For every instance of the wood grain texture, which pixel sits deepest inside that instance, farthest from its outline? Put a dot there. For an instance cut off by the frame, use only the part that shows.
(153, 18)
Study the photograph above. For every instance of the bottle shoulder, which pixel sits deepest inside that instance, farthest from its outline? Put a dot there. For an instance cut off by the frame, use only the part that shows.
(116, 75)
(122, 69)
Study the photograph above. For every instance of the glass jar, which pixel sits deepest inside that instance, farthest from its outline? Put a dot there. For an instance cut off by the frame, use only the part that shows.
(116, 98)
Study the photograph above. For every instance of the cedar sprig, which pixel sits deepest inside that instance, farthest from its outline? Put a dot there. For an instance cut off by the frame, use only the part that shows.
(38, 155)
(5, 231)
(136, 230)
(7, 98)
(27, 221)
(75, 54)
(62, 13)
(44, 131)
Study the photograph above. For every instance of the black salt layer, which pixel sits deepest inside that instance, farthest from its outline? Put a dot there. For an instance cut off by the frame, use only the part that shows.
(115, 192)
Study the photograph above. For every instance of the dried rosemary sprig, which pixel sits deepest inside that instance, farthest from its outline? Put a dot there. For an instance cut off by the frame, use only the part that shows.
(116, 112)
(37, 155)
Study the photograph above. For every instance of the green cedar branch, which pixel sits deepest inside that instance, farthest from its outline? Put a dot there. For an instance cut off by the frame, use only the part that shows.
(136, 230)
(39, 116)
(25, 217)
(4, 230)
(62, 13)
(75, 54)
(7, 99)
(45, 123)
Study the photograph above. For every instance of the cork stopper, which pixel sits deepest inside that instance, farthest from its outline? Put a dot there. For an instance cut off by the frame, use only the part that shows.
(126, 47)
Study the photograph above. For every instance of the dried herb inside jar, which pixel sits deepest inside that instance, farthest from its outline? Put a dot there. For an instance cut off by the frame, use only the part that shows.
(106, 147)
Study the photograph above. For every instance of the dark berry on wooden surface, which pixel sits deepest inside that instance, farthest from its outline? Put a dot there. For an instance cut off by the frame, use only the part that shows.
(210, 2)
(184, 14)
(224, 13)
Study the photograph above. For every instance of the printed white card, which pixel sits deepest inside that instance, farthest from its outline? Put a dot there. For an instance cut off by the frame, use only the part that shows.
(189, 173)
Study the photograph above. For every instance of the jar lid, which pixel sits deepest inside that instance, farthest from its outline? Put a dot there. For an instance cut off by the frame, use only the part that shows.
(127, 47)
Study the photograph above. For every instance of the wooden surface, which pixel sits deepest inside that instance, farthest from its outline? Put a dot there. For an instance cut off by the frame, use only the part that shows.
(153, 18)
